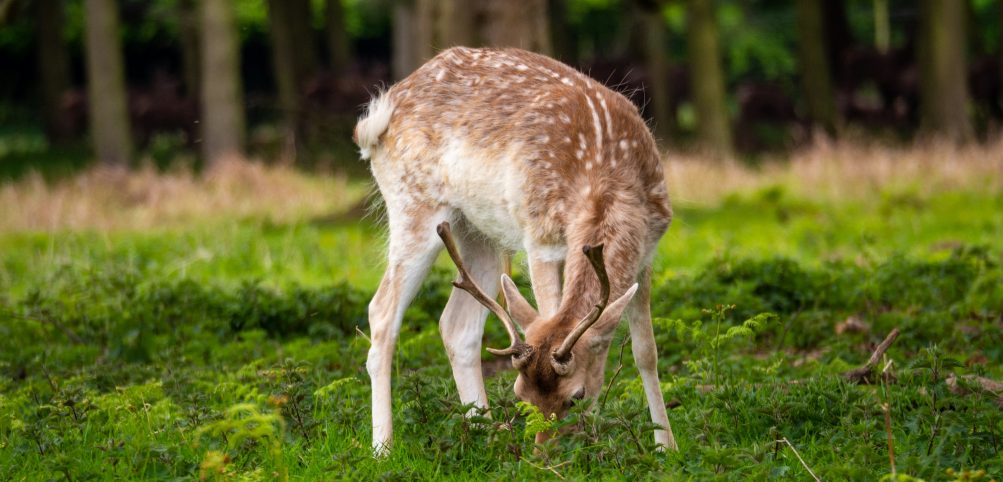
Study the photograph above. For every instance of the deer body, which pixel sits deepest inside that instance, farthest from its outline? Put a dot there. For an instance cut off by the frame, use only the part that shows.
(518, 152)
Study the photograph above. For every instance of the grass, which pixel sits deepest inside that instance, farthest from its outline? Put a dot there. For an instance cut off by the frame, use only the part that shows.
(212, 333)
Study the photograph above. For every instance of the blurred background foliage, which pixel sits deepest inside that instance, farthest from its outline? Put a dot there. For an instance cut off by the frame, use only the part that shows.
(791, 71)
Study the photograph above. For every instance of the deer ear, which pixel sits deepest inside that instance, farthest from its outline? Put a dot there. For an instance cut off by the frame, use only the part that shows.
(520, 309)
(602, 332)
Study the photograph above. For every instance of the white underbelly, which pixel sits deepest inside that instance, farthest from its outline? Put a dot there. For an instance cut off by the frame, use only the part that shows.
(488, 192)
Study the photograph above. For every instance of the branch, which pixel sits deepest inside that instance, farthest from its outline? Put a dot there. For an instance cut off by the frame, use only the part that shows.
(863, 374)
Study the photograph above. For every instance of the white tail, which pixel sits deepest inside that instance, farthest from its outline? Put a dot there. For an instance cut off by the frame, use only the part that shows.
(517, 151)
(372, 125)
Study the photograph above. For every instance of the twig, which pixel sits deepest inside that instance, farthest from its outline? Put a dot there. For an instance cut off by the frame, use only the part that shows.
(862, 374)
(360, 332)
(796, 454)
(887, 409)
(619, 367)
(550, 468)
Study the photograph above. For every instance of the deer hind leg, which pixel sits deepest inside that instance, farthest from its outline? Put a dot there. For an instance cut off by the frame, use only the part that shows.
(646, 357)
(462, 321)
(413, 248)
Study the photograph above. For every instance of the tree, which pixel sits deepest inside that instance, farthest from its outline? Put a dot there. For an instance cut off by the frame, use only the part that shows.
(517, 24)
(338, 49)
(999, 47)
(109, 120)
(455, 24)
(562, 37)
(301, 25)
(188, 26)
(294, 62)
(707, 78)
(53, 68)
(656, 62)
(222, 97)
(406, 57)
(943, 68)
(816, 77)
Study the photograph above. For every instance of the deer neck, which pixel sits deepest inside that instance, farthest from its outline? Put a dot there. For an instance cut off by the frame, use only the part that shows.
(581, 291)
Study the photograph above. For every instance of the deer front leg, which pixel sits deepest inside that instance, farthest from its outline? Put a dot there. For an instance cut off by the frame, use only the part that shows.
(545, 275)
(642, 338)
(413, 248)
(462, 321)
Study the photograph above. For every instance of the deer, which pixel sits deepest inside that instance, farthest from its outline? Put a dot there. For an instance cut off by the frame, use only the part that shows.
(487, 152)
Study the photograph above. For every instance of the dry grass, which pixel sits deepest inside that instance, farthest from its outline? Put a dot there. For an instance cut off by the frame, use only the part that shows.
(110, 199)
(832, 172)
(103, 199)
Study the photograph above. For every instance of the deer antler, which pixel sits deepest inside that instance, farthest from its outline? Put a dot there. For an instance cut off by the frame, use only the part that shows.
(562, 356)
(466, 283)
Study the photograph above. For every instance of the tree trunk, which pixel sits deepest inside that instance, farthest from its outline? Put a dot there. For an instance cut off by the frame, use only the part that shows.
(338, 48)
(290, 69)
(562, 38)
(656, 61)
(999, 49)
(284, 63)
(188, 22)
(425, 38)
(943, 68)
(517, 24)
(53, 68)
(707, 79)
(455, 24)
(304, 43)
(405, 39)
(222, 97)
(882, 26)
(109, 119)
(815, 74)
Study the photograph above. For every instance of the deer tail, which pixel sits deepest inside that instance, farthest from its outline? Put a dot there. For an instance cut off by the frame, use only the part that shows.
(373, 124)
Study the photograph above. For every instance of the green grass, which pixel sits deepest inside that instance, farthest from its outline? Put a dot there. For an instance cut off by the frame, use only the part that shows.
(231, 351)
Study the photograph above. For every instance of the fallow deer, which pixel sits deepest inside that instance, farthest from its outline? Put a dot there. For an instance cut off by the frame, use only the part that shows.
(517, 151)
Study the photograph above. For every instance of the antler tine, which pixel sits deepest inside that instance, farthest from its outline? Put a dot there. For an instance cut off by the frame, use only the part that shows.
(466, 283)
(595, 257)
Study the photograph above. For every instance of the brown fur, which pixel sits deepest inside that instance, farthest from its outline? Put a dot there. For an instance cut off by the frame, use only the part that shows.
(572, 163)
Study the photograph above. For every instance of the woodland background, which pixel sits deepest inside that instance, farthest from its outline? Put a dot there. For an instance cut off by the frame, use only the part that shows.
(188, 242)
(130, 80)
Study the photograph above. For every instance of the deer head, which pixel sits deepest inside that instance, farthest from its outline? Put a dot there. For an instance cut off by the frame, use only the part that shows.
(560, 363)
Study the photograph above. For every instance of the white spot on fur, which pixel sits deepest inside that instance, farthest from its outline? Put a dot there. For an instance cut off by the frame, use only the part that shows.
(521, 67)
(564, 118)
(596, 124)
(566, 81)
(624, 144)
(440, 75)
(609, 120)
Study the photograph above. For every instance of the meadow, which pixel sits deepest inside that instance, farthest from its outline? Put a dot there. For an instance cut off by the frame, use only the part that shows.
(170, 326)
